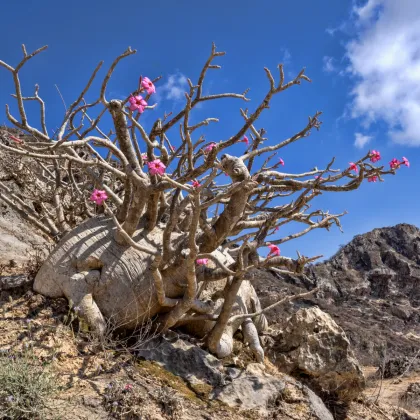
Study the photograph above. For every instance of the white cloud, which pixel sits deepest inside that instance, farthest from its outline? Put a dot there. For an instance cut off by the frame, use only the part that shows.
(340, 28)
(384, 59)
(361, 140)
(175, 87)
(328, 64)
(286, 56)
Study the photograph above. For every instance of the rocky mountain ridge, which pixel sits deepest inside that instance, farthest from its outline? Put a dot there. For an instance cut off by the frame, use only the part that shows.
(371, 287)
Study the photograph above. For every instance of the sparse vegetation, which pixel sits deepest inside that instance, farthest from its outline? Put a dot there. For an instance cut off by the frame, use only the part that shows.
(26, 386)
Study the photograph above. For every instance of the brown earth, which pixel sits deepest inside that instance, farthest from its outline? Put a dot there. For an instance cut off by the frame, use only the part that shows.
(84, 372)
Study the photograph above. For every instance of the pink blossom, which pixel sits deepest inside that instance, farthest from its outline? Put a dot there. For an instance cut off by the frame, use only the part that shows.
(173, 148)
(245, 140)
(372, 179)
(195, 184)
(276, 228)
(156, 167)
(137, 103)
(281, 162)
(404, 161)
(395, 163)
(375, 156)
(98, 196)
(148, 85)
(16, 139)
(128, 387)
(209, 148)
(274, 250)
(319, 177)
(144, 157)
(202, 261)
(353, 167)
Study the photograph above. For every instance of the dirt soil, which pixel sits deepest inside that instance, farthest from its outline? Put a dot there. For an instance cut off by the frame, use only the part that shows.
(388, 391)
(97, 383)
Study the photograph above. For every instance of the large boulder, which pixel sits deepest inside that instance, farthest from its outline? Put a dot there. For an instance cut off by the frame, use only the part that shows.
(252, 389)
(313, 347)
(19, 241)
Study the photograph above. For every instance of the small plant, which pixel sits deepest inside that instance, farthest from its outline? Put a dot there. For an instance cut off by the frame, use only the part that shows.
(126, 401)
(123, 400)
(25, 386)
(36, 258)
(170, 403)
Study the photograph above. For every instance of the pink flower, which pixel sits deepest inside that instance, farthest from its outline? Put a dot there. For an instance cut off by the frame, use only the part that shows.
(209, 148)
(276, 228)
(173, 148)
(144, 157)
(395, 163)
(353, 167)
(245, 140)
(319, 177)
(375, 156)
(137, 103)
(148, 85)
(372, 179)
(16, 139)
(404, 161)
(281, 162)
(128, 387)
(98, 196)
(202, 261)
(195, 184)
(274, 250)
(156, 167)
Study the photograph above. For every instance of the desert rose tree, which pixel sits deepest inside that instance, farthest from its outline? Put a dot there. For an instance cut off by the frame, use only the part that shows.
(136, 241)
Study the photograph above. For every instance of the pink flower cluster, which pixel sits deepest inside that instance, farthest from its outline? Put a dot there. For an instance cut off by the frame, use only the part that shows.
(195, 183)
(209, 148)
(375, 156)
(137, 103)
(147, 84)
(395, 163)
(98, 196)
(156, 167)
(353, 167)
(274, 251)
(202, 261)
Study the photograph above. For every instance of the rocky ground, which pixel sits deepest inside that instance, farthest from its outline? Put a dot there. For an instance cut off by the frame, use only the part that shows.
(88, 382)
(368, 305)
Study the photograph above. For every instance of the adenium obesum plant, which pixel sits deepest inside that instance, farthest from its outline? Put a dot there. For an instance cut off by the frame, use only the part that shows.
(174, 240)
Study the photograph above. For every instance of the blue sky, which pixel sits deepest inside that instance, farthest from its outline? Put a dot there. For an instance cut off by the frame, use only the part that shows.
(363, 58)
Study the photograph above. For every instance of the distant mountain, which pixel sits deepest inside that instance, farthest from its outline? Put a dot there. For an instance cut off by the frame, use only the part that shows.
(371, 287)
